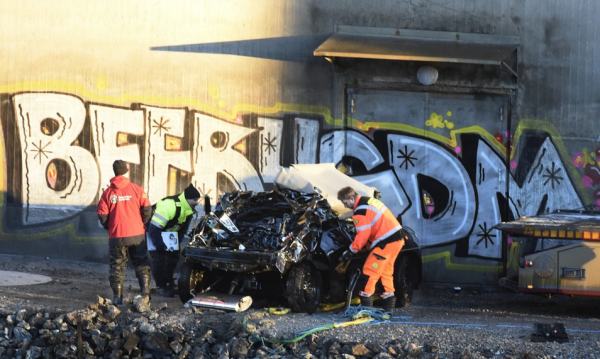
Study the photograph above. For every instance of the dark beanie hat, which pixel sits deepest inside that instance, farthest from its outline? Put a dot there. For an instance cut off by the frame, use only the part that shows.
(120, 167)
(191, 192)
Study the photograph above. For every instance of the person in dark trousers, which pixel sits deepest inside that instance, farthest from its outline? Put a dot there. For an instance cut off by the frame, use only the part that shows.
(379, 231)
(172, 214)
(123, 209)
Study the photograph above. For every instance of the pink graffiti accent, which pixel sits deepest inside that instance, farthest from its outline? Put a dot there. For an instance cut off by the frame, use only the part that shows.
(513, 164)
(593, 172)
(587, 181)
(457, 150)
(509, 241)
(578, 159)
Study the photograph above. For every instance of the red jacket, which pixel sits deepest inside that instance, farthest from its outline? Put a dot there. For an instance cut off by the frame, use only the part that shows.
(123, 209)
(374, 223)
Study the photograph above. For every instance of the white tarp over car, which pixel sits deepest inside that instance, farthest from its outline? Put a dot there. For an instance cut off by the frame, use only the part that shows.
(325, 177)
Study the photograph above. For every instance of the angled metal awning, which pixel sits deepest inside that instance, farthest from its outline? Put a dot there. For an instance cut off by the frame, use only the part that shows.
(417, 45)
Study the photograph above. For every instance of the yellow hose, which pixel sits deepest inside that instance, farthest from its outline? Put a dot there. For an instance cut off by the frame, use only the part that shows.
(333, 306)
(278, 310)
(354, 322)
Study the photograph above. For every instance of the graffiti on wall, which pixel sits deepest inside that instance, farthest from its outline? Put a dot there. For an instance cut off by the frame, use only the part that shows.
(59, 151)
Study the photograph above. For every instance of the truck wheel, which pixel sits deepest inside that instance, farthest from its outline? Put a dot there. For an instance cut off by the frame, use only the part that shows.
(303, 288)
(403, 282)
(190, 279)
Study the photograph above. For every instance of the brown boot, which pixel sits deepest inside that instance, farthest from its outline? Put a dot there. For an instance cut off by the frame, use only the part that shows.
(144, 281)
(118, 293)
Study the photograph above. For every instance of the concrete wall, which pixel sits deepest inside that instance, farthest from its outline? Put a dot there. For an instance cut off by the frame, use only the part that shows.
(223, 93)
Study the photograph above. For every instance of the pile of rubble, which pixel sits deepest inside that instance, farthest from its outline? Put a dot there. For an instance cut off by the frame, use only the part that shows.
(103, 330)
(135, 330)
(139, 329)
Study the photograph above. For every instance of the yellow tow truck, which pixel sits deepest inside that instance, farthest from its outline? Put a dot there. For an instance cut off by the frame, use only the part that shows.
(571, 269)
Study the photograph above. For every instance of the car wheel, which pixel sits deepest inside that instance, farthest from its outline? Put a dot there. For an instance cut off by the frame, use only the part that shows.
(190, 279)
(403, 282)
(303, 288)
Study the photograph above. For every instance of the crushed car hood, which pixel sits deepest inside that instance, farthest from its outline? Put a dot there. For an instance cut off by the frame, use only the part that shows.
(328, 181)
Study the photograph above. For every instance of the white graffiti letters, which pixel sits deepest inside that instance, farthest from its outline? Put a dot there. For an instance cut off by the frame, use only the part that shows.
(54, 172)
(110, 128)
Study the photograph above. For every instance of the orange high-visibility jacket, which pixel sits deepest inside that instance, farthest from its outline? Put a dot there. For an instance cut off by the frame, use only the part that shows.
(374, 223)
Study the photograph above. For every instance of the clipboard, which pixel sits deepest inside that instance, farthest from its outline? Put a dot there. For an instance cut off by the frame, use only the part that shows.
(171, 240)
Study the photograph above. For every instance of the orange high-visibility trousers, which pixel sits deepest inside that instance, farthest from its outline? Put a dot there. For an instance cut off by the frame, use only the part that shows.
(380, 265)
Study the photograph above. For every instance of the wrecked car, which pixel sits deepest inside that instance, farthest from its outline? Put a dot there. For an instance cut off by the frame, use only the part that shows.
(285, 242)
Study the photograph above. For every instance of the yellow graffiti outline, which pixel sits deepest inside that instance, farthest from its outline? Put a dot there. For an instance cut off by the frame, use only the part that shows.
(460, 267)
(82, 91)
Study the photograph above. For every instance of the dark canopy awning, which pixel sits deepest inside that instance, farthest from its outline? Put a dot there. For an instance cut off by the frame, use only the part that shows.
(417, 45)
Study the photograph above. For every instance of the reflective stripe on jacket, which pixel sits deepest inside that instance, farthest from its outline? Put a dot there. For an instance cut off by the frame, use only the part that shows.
(166, 210)
(374, 223)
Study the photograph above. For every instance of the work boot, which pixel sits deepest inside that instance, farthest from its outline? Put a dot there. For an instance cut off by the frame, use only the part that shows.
(165, 291)
(366, 301)
(118, 293)
(389, 304)
(144, 281)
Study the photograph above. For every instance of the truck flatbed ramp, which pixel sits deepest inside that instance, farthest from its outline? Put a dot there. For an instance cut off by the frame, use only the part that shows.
(563, 224)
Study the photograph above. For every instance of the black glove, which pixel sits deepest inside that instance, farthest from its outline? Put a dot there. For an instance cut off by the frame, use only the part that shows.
(346, 256)
(160, 245)
(155, 235)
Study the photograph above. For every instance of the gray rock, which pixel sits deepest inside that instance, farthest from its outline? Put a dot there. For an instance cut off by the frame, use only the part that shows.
(239, 348)
(131, 342)
(21, 315)
(157, 344)
(33, 353)
(22, 335)
(266, 323)
(87, 349)
(141, 303)
(334, 348)
(383, 356)
(219, 350)
(361, 350)
(6, 312)
(147, 328)
(184, 352)
(23, 324)
(176, 347)
(63, 351)
(49, 325)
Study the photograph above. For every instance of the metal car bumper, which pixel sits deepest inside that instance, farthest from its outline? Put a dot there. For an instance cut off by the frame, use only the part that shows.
(231, 260)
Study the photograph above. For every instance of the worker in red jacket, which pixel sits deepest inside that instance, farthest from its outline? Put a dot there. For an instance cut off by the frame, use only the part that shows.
(124, 209)
(378, 230)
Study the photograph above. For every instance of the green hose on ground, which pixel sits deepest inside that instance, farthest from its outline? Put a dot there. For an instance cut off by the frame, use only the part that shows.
(362, 320)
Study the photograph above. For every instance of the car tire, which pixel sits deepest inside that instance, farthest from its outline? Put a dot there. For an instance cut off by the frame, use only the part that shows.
(303, 288)
(191, 276)
(403, 282)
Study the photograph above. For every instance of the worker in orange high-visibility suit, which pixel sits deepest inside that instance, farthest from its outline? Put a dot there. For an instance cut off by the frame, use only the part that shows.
(378, 230)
